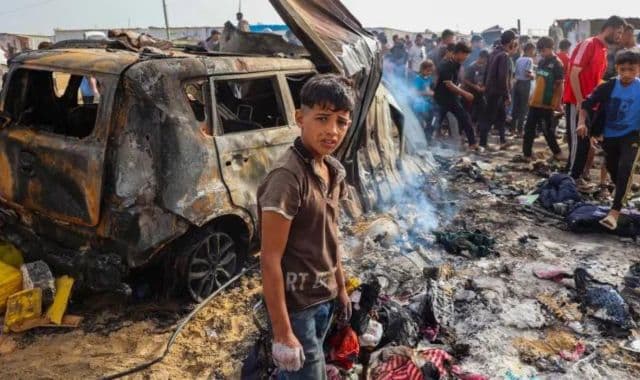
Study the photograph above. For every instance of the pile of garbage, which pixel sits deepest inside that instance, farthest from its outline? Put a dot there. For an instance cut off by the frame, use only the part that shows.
(29, 294)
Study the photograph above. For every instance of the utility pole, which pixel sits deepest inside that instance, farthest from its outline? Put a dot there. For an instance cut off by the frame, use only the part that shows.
(166, 19)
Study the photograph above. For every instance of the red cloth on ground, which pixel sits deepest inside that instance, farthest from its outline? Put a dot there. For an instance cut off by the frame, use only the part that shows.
(398, 368)
(345, 348)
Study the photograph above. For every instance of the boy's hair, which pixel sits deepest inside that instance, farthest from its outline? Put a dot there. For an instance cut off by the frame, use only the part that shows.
(507, 37)
(328, 91)
(565, 44)
(547, 43)
(628, 27)
(426, 64)
(613, 22)
(447, 33)
(529, 46)
(461, 47)
(484, 53)
(627, 56)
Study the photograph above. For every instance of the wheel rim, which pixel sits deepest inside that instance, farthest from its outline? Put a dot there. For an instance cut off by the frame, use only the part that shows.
(212, 262)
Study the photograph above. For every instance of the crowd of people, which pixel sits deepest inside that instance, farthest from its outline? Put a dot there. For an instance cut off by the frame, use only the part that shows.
(520, 87)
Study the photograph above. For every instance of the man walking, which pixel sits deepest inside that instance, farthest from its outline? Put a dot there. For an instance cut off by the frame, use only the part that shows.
(586, 69)
(497, 85)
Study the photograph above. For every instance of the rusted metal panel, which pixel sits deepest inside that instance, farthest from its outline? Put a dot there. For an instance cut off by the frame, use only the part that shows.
(92, 61)
(58, 176)
(242, 65)
(247, 157)
(164, 138)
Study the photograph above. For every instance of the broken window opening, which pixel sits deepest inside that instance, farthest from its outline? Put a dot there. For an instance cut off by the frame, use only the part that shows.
(295, 83)
(49, 101)
(197, 93)
(249, 104)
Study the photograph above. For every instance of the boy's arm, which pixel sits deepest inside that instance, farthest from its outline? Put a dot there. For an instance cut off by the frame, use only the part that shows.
(458, 91)
(93, 82)
(472, 85)
(597, 98)
(574, 82)
(344, 301)
(558, 87)
(275, 232)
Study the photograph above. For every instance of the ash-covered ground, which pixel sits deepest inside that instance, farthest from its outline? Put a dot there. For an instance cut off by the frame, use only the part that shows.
(505, 322)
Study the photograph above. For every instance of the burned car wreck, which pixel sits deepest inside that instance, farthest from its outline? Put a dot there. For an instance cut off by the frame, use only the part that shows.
(164, 166)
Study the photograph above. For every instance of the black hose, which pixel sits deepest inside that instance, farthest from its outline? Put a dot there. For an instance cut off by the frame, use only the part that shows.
(180, 326)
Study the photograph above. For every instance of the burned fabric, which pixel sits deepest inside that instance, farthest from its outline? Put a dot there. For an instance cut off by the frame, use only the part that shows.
(345, 348)
(631, 290)
(558, 189)
(602, 300)
(399, 327)
(585, 218)
(474, 244)
(368, 299)
(436, 308)
(394, 363)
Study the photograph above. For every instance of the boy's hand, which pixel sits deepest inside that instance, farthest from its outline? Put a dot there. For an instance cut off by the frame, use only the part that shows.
(287, 353)
(582, 131)
(468, 97)
(344, 307)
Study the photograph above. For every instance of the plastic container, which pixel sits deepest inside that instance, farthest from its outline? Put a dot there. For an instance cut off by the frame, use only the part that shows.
(23, 306)
(10, 283)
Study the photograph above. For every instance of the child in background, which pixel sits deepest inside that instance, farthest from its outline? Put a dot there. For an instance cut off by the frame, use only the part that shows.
(522, 89)
(474, 83)
(423, 101)
(619, 124)
(546, 98)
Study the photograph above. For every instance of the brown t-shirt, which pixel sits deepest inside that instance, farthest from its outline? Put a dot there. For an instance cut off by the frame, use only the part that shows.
(294, 190)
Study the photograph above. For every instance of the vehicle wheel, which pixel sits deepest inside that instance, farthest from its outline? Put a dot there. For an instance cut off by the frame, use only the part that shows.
(212, 261)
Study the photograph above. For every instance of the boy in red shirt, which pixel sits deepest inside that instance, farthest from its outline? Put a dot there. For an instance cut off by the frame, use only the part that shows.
(563, 54)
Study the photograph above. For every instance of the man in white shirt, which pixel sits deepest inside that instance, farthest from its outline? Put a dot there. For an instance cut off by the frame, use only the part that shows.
(417, 54)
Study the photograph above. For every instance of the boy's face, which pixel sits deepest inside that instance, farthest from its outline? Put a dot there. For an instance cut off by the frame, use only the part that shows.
(323, 128)
(460, 57)
(546, 52)
(628, 39)
(427, 71)
(628, 72)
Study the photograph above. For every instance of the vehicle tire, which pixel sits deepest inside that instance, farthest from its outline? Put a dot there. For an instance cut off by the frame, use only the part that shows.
(211, 259)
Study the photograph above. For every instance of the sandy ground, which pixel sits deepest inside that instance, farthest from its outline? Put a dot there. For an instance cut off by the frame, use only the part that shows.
(501, 310)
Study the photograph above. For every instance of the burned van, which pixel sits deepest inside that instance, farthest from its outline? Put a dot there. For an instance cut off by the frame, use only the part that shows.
(161, 160)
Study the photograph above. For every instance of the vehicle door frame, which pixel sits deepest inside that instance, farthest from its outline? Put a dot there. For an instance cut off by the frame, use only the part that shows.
(93, 147)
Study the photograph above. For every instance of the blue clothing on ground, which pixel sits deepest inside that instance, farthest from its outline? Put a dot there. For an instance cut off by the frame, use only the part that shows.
(559, 188)
(623, 112)
(422, 104)
(585, 218)
(310, 326)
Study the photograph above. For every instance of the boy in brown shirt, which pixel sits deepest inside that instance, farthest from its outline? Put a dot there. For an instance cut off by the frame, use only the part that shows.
(299, 208)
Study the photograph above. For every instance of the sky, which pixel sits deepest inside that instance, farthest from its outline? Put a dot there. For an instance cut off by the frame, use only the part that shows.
(42, 16)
